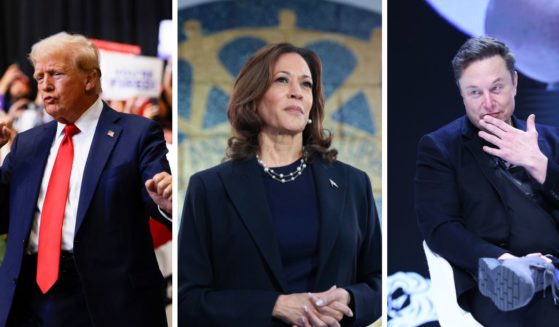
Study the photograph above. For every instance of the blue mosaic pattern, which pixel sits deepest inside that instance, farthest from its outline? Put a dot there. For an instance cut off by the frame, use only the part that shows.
(318, 15)
(235, 29)
(355, 112)
(337, 63)
(216, 108)
(234, 54)
(184, 88)
(182, 137)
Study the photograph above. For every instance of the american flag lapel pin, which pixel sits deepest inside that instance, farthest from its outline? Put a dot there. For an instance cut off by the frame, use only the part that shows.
(110, 133)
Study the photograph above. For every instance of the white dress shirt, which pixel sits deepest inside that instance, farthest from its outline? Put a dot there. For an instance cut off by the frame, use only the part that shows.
(87, 124)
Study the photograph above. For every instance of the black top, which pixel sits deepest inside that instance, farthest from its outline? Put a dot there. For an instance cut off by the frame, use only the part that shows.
(296, 218)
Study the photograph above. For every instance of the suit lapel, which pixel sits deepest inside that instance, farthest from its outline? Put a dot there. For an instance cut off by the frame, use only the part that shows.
(106, 136)
(35, 170)
(254, 211)
(331, 188)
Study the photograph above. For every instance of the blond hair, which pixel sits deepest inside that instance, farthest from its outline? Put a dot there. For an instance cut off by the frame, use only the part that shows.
(82, 52)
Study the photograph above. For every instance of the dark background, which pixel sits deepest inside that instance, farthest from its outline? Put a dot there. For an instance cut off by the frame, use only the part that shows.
(422, 96)
(24, 22)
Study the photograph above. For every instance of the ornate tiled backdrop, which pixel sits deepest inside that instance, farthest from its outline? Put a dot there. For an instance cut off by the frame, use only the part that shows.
(216, 38)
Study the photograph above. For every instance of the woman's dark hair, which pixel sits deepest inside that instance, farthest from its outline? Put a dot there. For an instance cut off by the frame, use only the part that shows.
(250, 86)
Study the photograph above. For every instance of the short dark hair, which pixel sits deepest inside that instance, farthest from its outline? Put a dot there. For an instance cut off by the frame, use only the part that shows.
(252, 82)
(478, 48)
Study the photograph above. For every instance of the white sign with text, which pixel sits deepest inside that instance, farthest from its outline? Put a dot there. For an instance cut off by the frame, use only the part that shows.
(124, 75)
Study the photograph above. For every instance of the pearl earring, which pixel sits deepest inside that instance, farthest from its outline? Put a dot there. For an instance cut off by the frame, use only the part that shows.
(309, 121)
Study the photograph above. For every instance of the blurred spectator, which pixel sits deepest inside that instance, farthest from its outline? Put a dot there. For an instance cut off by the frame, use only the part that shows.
(6, 149)
(14, 85)
(16, 100)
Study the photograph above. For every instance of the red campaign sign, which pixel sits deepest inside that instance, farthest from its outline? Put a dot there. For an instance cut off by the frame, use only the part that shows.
(117, 47)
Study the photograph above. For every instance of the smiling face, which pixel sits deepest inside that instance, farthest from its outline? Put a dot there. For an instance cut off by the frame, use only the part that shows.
(286, 105)
(66, 91)
(488, 88)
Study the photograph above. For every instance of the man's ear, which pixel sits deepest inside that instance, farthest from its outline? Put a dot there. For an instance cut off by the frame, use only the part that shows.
(91, 80)
(515, 81)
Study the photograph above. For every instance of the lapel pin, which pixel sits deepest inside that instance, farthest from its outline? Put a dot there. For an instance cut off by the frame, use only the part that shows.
(110, 133)
(333, 184)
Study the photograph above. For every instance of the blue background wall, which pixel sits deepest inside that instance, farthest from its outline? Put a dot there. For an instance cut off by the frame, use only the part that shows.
(216, 38)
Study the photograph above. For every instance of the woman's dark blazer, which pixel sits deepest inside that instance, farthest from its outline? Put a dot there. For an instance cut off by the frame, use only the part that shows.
(230, 269)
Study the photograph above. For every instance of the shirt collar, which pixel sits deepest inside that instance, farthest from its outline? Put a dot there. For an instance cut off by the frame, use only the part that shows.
(87, 120)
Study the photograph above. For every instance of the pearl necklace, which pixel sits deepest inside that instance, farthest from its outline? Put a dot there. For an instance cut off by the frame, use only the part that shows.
(284, 178)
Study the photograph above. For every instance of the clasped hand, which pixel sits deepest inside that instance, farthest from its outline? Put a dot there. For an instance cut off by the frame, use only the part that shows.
(314, 309)
(160, 189)
(515, 146)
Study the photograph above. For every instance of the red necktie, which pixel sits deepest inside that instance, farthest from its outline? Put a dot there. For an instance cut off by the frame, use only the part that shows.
(52, 217)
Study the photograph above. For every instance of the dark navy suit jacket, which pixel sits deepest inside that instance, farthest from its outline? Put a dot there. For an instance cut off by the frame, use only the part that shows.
(230, 269)
(113, 248)
(459, 201)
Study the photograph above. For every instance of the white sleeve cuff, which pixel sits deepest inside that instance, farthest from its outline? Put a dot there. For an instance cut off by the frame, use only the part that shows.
(165, 215)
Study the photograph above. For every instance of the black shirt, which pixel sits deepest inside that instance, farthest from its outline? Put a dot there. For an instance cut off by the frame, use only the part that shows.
(296, 218)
